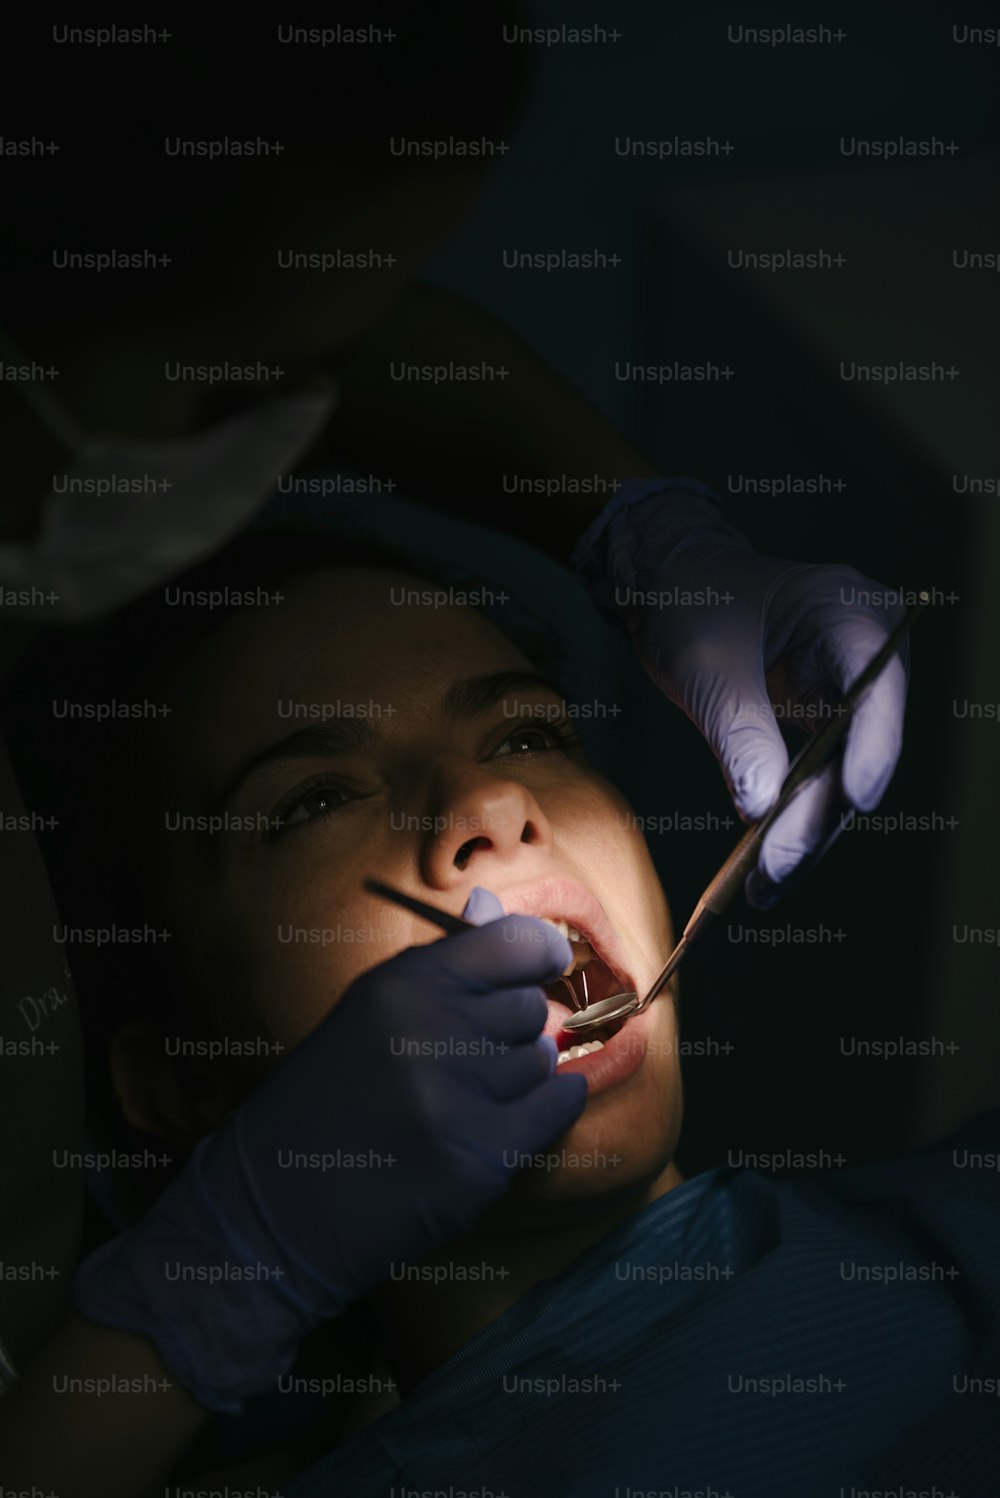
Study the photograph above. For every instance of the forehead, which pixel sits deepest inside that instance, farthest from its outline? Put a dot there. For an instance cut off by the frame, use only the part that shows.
(359, 634)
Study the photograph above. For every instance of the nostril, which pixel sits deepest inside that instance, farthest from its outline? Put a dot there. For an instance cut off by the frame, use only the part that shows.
(465, 852)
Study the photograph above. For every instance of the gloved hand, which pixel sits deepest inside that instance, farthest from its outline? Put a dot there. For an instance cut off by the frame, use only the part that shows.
(383, 1134)
(724, 631)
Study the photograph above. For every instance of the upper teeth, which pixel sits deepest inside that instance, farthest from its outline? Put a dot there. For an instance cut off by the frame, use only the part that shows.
(572, 935)
(570, 932)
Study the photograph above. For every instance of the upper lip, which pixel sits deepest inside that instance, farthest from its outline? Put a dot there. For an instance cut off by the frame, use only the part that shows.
(565, 899)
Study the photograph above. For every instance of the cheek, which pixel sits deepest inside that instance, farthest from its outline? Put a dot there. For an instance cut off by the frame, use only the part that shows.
(630, 1133)
(286, 959)
(643, 1125)
(597, 829)
(664, 1059)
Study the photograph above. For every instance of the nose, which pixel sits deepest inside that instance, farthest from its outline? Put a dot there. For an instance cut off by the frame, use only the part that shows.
(480, 824)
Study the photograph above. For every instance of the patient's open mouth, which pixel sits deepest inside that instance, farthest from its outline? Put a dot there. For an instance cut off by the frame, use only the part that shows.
(589, 979)
(612, 1054)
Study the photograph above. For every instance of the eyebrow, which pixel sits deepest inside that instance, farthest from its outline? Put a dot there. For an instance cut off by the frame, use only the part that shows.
(468, 698)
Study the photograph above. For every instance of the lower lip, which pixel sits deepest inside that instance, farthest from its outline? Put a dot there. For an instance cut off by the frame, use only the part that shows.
(618, 1059)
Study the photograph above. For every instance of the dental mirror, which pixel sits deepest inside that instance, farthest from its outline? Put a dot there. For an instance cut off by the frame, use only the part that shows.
(622, 1005)
(616, 1006)
(593, 1015)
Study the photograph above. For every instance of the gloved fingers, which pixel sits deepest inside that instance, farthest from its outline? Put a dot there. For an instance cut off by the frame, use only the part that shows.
(514, 1015)
(875, 738)
(455, 1030)
(482, 906)
(475, 1127)
(711, 663)
(754, 758)
(533, 1122)
(505, 953)
(720, 684)
(800, 836)
(843, 649)
(762, 894)
(509, 1071)
(465, 1024)
(728, 701)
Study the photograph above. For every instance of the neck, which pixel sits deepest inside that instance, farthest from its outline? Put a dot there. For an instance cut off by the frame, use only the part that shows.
(473, 1280)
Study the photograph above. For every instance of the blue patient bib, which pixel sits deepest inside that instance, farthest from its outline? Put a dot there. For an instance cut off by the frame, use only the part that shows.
(743, 1336)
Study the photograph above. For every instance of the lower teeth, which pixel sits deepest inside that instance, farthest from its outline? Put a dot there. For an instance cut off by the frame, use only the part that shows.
(579, 1050)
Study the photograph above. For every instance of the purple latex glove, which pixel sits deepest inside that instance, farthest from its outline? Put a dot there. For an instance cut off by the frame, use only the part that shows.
(724, 631)
(426, 1084)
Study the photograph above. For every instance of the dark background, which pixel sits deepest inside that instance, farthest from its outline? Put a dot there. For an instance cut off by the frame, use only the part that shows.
(784, 1084)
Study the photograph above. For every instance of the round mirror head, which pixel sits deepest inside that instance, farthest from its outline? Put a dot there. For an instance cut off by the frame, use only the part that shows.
(616, 1006)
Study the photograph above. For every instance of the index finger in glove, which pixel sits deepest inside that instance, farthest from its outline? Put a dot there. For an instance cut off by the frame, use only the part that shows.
(515, 952)
(723, 690)
(807, 827)
(875, 736)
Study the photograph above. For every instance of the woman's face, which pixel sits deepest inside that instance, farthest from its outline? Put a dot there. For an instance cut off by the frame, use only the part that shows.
(415, 744)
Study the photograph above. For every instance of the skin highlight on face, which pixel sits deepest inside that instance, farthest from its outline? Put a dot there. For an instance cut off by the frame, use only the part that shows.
(348, 734)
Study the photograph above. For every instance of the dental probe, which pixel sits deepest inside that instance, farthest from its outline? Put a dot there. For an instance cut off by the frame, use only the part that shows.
(721, 890)
(452, 924)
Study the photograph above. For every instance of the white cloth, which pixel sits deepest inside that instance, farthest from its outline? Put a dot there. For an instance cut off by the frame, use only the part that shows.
(135, 512)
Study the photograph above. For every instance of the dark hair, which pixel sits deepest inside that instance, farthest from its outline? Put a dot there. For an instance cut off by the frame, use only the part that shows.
(447, 72)
(91, 776)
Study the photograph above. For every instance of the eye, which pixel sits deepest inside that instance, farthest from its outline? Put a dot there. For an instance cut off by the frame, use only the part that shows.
(310, 802)
(536, 738)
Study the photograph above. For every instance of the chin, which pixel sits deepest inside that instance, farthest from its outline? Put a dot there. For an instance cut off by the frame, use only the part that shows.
(617, 1148)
